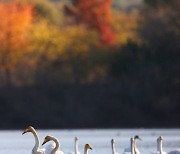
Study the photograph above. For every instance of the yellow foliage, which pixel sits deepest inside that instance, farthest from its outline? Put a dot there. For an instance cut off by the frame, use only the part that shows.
(125, 26)
(54, 42)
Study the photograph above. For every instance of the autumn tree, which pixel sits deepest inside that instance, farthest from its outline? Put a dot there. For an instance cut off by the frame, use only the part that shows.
(96, 14)
(16, 19)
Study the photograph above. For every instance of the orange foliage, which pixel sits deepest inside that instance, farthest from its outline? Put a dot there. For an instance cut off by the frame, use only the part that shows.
(15, 20)
(97, 14)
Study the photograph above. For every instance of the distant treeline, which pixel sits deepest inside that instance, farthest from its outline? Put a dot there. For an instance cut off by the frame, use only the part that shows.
(74, 72)
(117, 104)
(93, 105)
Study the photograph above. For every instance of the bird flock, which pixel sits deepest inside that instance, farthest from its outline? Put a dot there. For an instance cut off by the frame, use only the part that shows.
(54, 147)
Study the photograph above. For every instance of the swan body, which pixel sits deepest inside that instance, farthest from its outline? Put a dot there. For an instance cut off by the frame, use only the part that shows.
(159, 146)
(36, 149)
(113, 147)
(76, 147)
(56, 149)
(174, 152)
(50, 147)
(130, 150)
(86, 148)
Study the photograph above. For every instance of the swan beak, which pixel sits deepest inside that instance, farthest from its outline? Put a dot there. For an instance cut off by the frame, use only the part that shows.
(45, 140)
(25, 131)
(43, 143)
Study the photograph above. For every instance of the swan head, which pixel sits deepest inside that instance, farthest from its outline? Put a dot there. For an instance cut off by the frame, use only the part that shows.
(137, 137)
(46, 139)
(88, 146)
(112, 141)
(160, 138)
(132, 139)
(76, 138)
(28, 129)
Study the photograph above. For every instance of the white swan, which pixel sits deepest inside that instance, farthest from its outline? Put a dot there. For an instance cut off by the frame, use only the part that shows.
(136, 150)
(159, 146)
(86, 148)
(76, 147)
(36, 149)
(56, 149)
(132, 148)
(113, 147)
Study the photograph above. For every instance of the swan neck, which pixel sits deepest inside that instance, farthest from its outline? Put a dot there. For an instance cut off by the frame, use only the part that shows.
(36, 140)
(85, 150)
(135, 146)
(57, 145)
(132, 147)
(160, 146)
(76, 146)
(113, 148)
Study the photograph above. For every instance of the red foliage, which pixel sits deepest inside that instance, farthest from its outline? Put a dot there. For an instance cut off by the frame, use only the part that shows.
(97, 14)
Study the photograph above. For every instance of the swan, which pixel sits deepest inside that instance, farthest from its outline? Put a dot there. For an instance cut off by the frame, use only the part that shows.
(132, 148)
(36, 149)
(113, 147)
(56, 149)
(136, 150)
(76, 146)
(159, 146)
(86, 148)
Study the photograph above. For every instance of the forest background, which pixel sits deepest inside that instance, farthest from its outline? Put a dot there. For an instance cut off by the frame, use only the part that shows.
(89, 63)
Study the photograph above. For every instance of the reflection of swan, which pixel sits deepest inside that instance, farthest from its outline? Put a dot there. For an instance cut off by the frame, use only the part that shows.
(76, 146)
(86, 148)
(159, 146)
(113, 147)
(131, 149)
(136, 150)
(56, 149)
(36, 149)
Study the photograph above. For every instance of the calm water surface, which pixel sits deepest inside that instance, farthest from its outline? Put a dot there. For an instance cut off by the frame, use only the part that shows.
(13, 142)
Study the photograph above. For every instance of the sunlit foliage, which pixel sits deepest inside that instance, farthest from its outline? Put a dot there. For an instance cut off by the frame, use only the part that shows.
(97, 14)
(126, 27)
(15, 21)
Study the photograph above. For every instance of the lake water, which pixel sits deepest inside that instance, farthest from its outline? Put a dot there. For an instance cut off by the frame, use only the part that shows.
(13, 142)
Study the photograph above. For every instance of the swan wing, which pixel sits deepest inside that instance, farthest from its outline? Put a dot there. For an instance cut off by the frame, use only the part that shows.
(39, 151)
(50, 147)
